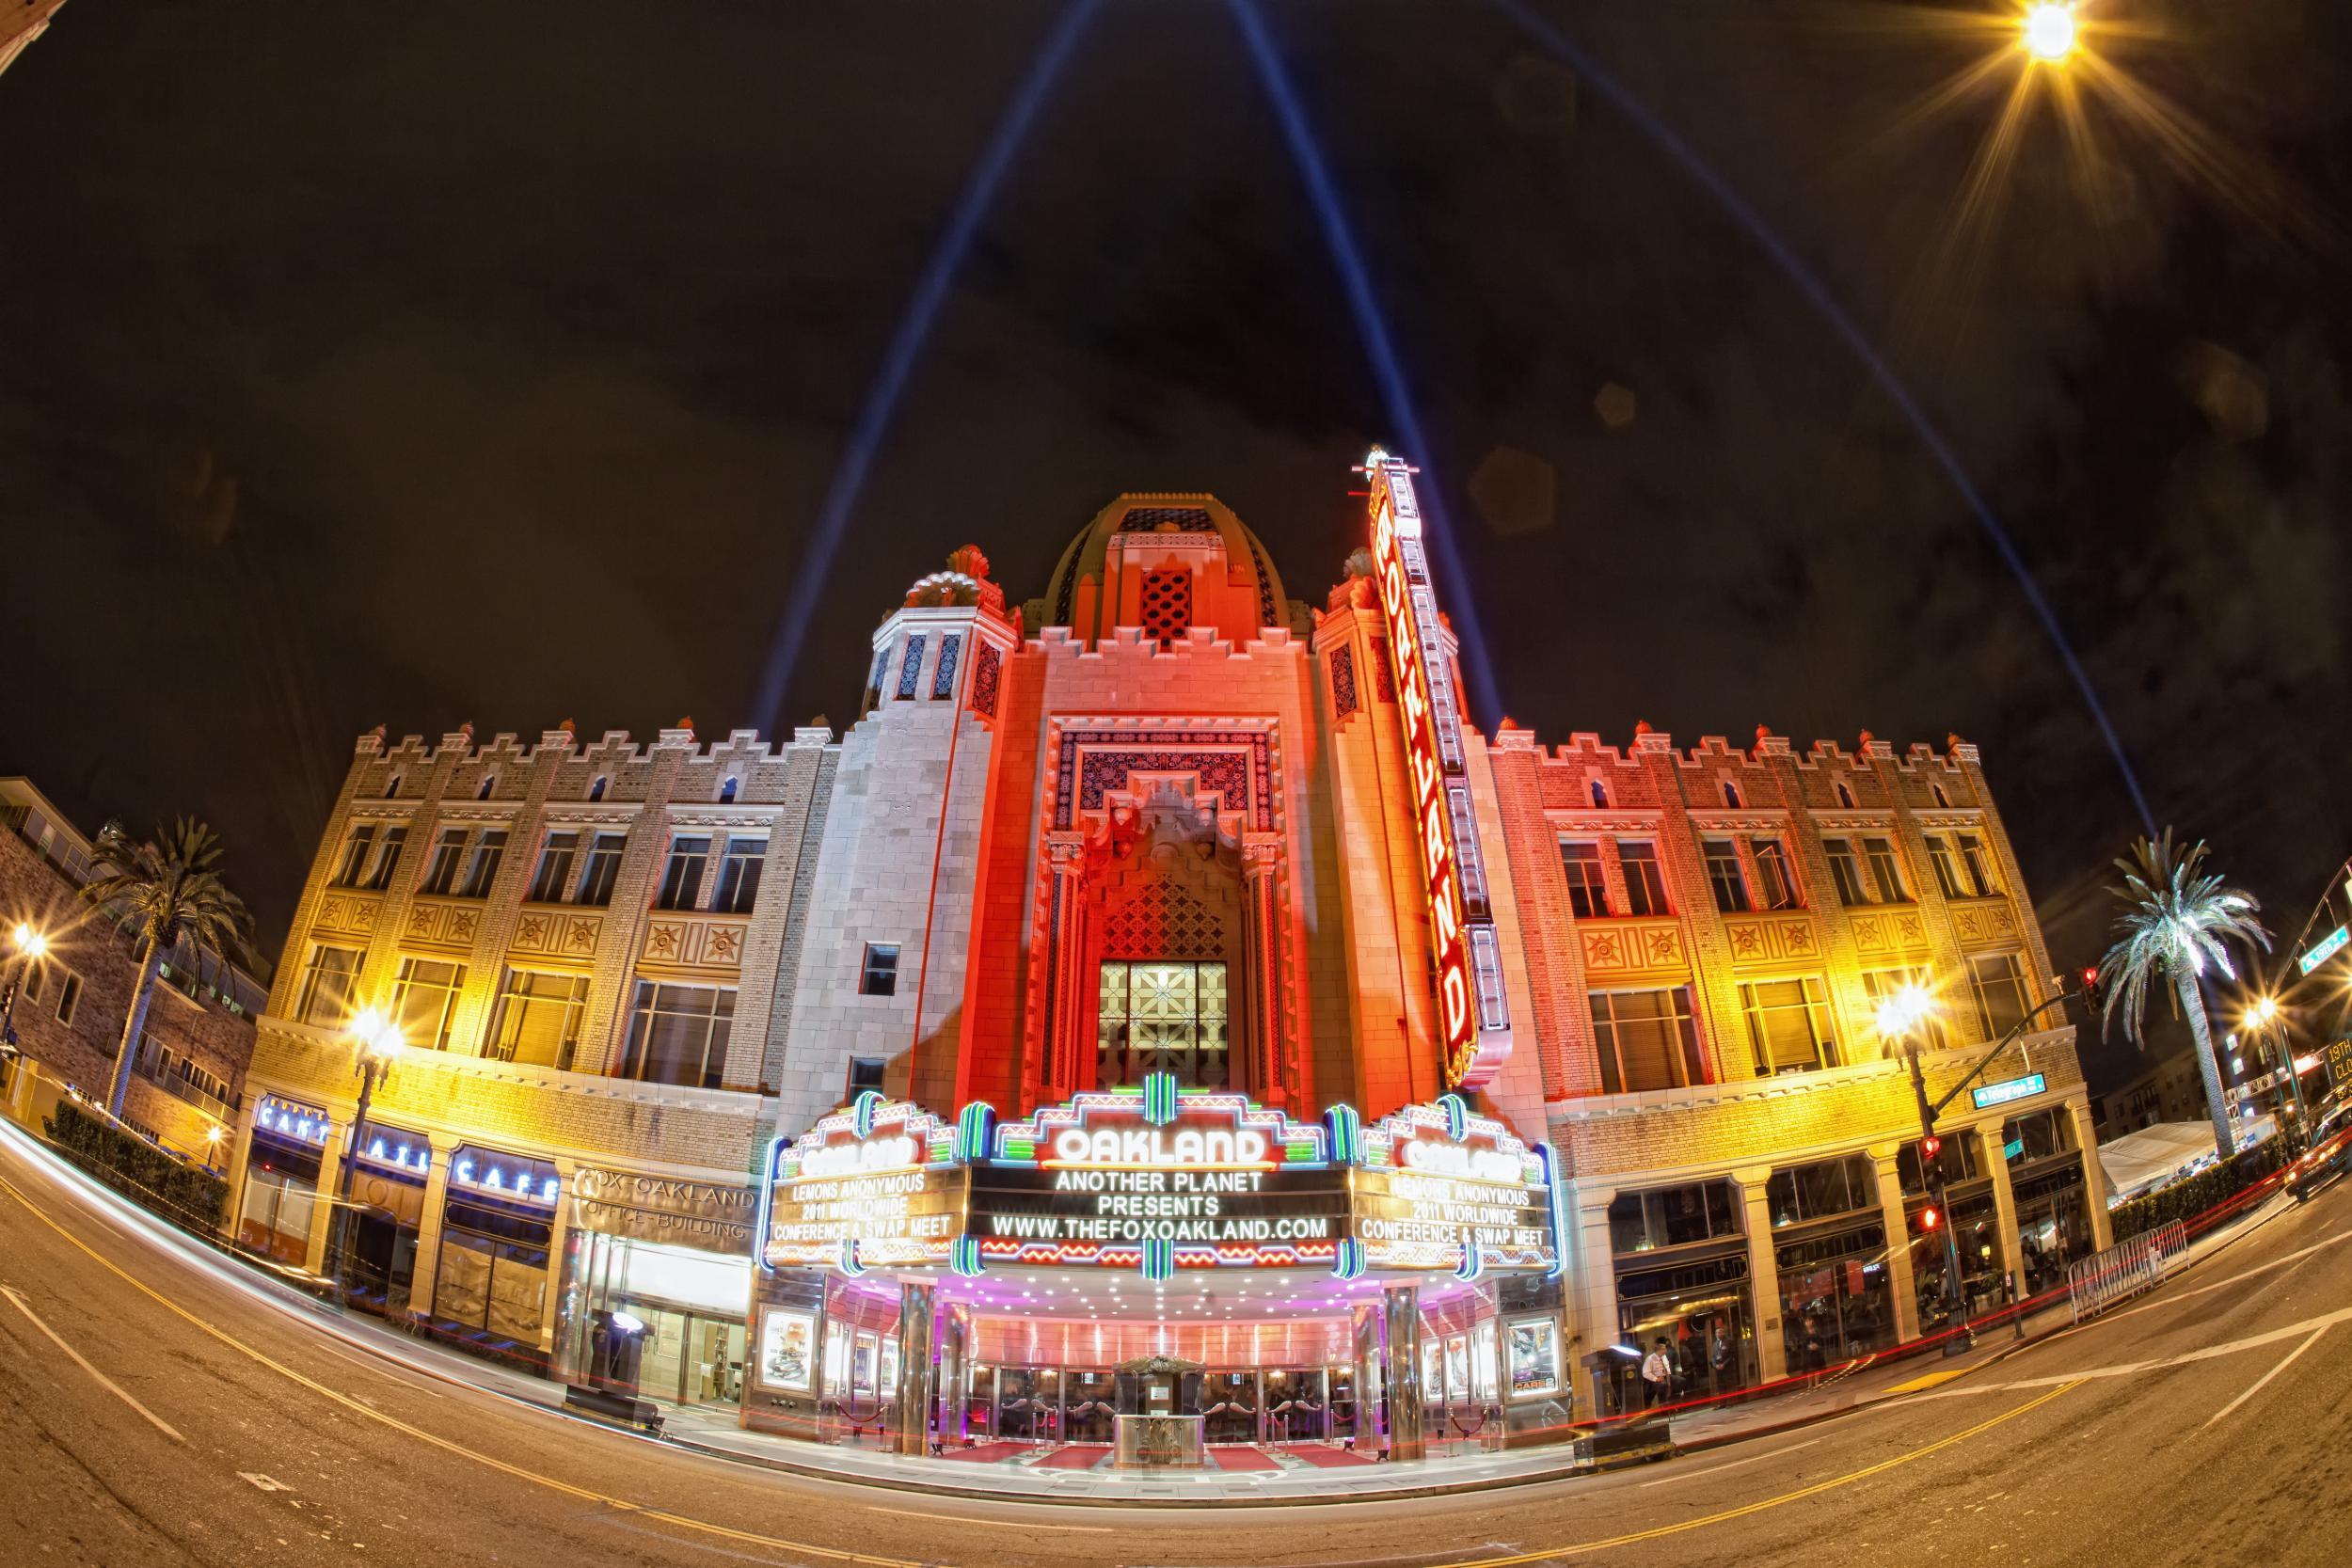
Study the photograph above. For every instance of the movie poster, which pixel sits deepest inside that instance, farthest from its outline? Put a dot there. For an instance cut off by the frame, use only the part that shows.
(787, 1348)
(1535, 1357)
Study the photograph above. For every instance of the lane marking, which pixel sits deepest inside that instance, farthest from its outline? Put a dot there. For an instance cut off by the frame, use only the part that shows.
(381, 1371)
(964, 1519)
(520, 1473)
(2264, 1381)
(17, 1299)
(1921, 1385)
(1737, 1463)
(2188, 1357)
(261, 1482)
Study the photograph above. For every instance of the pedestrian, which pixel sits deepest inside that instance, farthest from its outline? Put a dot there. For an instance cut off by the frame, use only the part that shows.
(1719, 1356)
(1657, 1377)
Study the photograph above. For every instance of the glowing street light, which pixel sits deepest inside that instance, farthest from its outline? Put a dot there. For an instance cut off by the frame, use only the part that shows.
(1902, 1017)
(2049, 31)
(379, 1044)
(1904, 1011)
(30, 946)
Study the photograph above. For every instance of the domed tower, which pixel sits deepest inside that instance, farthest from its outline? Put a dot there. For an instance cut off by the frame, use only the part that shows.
(1168, 564)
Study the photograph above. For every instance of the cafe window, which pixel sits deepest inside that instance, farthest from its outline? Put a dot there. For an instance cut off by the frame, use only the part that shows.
(1999, 986)
(327, 988)
(679, 1034)
(1725, 876)
(1673, 1216)
(1160, 1017)
(425, 1001)
(1788, 1025)
(1588, 891)
(538, 1019)
(1798, 1195)
(1644, 883)
(1645, 1039)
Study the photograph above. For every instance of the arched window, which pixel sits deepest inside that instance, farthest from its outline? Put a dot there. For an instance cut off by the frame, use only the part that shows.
(596, 790)
(489, 781)
(1941, 799)
(1845, 796)
(392, 787)
(1601, 795)
(1731, 795)
(726, 790)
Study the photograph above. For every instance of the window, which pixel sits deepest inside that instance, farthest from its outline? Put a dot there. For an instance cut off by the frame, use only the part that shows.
(1845, 796)
(726, 791)
(1845, 871)
(425, 1001)
(2042, 1134)
(489, 781)
(1731, 795)
(878, 975)
(1601, 795)
(1955, 1161)
(1788, 1025)
(1588, 891)
(866, 1072)
(603, 868)
(1999, 986)
(68, 997)
(387, 860)
(440, 872)
(596, 788)
(1946, 869)
(1725, 876)
(1646, 1039)
(1160, 1017)
(1979, 866)
(392, 787)
(1773, 878)
(682, 878)
(556, 868)
(1885, 871)
(679, 1034)
(739, 876)
(538, 1019)
(1645, 884)
(328, 987)
(489, 851)
(1673, 1216)
(355, 856)
(1796, 1194)
(1881, 985)
(1937, 791)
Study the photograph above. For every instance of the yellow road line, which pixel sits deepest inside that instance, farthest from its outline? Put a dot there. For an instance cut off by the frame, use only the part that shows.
(1920, 1385)
(518, 1472)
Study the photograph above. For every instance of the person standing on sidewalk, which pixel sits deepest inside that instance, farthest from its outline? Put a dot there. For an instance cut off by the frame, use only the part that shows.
(1657, 1377)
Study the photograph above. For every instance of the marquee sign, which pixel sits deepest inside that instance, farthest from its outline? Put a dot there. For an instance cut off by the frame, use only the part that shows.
(291, 1121)
(877, 1183)
(1473, 1018)
(1439, 1188)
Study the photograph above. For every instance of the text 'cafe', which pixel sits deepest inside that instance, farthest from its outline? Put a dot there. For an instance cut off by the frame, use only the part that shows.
(1186, 1255)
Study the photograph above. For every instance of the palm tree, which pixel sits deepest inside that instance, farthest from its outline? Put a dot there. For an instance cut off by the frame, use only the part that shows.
(162, 893)
(2175, 920)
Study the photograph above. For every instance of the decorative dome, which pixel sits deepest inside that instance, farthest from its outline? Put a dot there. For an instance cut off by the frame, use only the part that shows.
(1167, 563)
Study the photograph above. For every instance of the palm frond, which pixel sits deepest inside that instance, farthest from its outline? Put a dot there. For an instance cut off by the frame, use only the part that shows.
(2176, 918)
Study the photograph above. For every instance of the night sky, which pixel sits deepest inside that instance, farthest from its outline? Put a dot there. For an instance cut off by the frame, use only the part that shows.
(414, 365)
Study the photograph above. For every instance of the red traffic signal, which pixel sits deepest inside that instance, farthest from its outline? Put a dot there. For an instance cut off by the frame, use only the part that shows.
(1929, 1220)
(1929, 1147)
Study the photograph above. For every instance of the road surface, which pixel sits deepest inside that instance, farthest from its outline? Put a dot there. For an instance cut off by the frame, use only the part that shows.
(153, 1413)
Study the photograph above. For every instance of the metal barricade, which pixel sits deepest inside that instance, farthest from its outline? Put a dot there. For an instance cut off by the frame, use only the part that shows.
(2124, 1271)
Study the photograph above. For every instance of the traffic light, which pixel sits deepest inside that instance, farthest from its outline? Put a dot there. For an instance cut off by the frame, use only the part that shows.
(2094, 989)
(1929, 1147)
(1931, 1221)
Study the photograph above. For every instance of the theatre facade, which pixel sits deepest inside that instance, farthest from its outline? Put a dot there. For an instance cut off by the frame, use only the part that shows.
(1163, 1026)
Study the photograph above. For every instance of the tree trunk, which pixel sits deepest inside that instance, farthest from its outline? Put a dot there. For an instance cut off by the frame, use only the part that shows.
(131, 1028)
(2209, 1065)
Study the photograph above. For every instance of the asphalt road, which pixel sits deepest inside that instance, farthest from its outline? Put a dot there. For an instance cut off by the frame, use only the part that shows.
(153, 1413)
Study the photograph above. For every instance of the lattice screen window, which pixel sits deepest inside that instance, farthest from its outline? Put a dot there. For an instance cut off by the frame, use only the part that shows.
(1161, 1018)
(1167, 604)
(1162, 921)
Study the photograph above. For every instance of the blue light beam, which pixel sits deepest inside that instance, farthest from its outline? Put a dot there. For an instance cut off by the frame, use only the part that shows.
(1817, 294)
(906, 346)
(1395, 392)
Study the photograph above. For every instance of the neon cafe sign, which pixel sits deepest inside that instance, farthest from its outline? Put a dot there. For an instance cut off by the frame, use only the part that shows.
(1473, 1019)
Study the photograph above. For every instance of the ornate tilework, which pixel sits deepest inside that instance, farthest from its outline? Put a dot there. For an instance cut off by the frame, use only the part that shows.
(1266, 606)
(1236, 764)
(1164, 922)
(944, 680)
(1383, 671)
(911, 670)
(1343, 680)
(984, 665)
(882, 672)
(1167, 519)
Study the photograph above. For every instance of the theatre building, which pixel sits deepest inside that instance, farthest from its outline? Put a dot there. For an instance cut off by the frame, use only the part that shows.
(1164, 1029)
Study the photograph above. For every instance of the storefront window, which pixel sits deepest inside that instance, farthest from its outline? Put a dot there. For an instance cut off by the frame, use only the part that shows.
(1704, 1313)
(1673, 1216)
(2038, 1134)
(1161, 1018)
(1959, 1160)
(691, 1304)
(1835, 1300)
(1799, 1194)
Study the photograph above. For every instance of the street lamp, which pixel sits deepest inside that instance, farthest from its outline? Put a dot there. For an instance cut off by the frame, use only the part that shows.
(1900, 1017)
(2266, 1014)
(2049, 31)
(30, 946)
(379, 1044)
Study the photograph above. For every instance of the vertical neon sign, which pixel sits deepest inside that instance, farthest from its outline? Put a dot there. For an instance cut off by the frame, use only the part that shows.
(1473, 1018)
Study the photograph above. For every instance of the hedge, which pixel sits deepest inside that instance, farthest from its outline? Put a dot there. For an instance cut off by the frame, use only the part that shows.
(2188, 1198)
(140, 1170)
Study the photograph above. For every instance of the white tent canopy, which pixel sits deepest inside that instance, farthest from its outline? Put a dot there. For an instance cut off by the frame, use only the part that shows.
(2142, 1162)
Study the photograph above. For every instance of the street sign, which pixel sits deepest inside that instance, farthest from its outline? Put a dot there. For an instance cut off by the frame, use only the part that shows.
(2002, 1093)
(2013, 1148)
(2324, 948)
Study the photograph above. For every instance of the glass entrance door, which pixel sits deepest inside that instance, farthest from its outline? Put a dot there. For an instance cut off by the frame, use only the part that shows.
(1296, 1406)
(1088, 1403)
(1229, 1406)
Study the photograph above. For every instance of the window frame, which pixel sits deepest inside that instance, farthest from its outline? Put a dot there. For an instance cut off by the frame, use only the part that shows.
(1975, 858)
(1685, 1062)
(679, 889)
(1587, 899)
(306, 990)
(440, 867)
(1726, 877)
(496, 1046)
(1814, 1003)
(357, 854)
(1978, 991)
(388, 851)
(1885, 867)
(596, 859)
(1653, 885)
(487, 854)
(553, 873)
(731, 896)
(405, 982)
(1773, 864)
(644, 1004)
(878, 978)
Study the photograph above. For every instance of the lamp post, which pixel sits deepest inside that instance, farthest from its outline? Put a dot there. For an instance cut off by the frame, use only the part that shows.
(378, 1043)
(2267, 1017)
(1901, 1017)
(30, 946)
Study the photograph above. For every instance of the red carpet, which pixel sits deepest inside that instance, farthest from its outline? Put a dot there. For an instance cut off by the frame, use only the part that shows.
(1241, 1459)
(1324, 1457)
(989, 1453)
(1078, 1456)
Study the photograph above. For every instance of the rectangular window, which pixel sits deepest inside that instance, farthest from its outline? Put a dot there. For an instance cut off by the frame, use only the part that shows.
(1588, 890)
(1160, 1017)
(328, 987)
(1882, 986)
(603, 868)
(866, 1072)
(425, 1001)
(1644, 883)
(1956, 1162)
(1773, 878)
(1885, 871)
(1979, 866)
(386, 857)
(1673, 1216)
(678, 1034)
(1999, 986)
(354, 857)
(1946, 869)
(554, 872)
(1646, 1039)
(1788, 1025)
(68, 997)
(739, 876)
(682, 878)
(489, 851)
(538, 1019)
(440, 872)
(1725, 876)
(1797, 1193)
(1845, 871)
(878, 975)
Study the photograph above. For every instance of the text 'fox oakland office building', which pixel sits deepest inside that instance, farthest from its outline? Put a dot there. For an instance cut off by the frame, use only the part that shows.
(1162, 1000)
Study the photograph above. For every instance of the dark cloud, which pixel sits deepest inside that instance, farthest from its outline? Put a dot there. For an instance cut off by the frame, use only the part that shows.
(491, 371)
